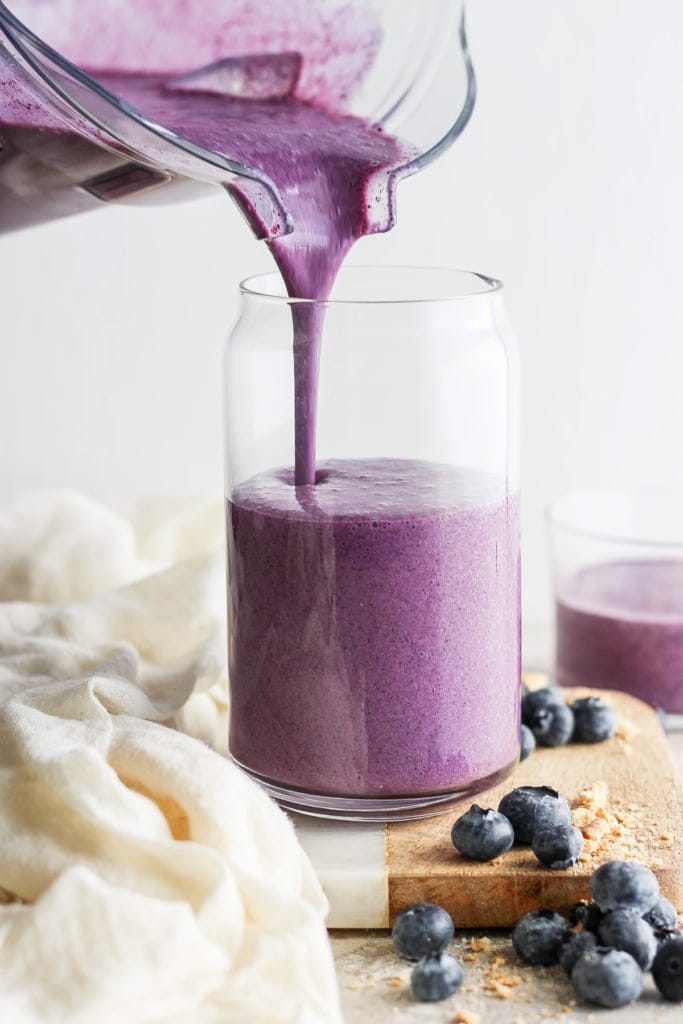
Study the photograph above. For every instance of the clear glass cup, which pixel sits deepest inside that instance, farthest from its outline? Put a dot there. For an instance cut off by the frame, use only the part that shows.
(374, 616)
(618, 568)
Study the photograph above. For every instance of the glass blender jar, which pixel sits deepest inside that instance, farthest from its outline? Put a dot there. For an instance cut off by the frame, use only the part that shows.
(70, 143)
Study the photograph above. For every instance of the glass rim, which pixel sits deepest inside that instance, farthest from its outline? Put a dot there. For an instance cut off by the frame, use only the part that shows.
(249, 286)
(555, 520)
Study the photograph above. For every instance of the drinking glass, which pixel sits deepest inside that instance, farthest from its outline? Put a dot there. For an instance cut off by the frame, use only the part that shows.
(374, 615)
(618, 567)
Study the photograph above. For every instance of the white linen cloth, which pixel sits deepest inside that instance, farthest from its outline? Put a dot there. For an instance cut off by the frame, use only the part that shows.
(143, 878)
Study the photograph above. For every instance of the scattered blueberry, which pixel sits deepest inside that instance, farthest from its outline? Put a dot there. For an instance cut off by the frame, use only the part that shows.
(552, 725)
(535, 699)
(525, 689)
(422, 929)
(623, 884)
(539, 936)
(607, 977)
(577, 944)
(587, 914)
(436, 977)
(558, 847)
(663, 918)
(667, 970)
(594, 721)
(532, 808)
(621, 929)
(482, 835)
(527, 742)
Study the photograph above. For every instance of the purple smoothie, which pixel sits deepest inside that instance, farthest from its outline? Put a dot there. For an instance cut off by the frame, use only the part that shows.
(374, 622)
(620, 625)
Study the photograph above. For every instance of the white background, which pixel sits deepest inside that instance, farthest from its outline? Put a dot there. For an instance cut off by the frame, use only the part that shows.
(567, 185)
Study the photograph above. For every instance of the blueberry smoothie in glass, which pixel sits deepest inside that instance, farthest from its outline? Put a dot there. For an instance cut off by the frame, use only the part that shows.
(620, 626)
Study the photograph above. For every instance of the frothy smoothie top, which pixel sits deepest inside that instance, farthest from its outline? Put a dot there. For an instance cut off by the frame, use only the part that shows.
(381, 489)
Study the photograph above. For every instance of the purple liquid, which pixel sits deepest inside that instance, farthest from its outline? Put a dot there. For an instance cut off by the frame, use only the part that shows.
(620, 626)
(374, 628)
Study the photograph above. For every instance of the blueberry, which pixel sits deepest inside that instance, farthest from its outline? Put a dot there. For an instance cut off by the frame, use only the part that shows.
(525, 689)
(621, 929)
(532, 808)
(587, 914)
(558, 847)
(436, 977)
(607, 977)
(663, 918)
(538, 937)
(667, 970)
(552, 725)
(539, 699)
(482, 835)
(527, 742)
(422, 929)
(594, 721)
(624, 885)
(577, 944)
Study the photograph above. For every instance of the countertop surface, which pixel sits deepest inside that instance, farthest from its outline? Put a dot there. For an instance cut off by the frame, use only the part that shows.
(498, 989)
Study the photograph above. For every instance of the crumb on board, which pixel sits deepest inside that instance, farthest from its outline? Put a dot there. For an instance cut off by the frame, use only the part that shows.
(466, 1017)
(499, 982)
(626, 730)
(610, 826)
(480, 945)
(500, 990)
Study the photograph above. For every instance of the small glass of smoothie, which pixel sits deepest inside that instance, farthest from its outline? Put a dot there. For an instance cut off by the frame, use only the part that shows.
(618, 565)
(372, 515)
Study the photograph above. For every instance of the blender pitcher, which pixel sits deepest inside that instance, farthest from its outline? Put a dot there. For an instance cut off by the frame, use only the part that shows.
(69, 143)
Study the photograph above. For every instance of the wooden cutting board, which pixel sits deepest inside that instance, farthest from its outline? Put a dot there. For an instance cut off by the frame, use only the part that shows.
(625, 793)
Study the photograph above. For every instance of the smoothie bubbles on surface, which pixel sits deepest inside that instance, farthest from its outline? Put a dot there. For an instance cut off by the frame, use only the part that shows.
(372, 508)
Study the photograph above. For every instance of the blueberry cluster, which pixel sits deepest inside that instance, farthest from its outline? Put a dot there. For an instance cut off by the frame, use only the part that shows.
(547, 720)
(529, 815)
(421, 933)
(608, 943)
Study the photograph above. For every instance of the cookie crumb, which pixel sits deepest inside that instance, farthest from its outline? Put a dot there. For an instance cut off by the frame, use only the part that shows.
(466, 1017)
(626, 731)
(511, 980)
(480, 945)
(500, 990)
